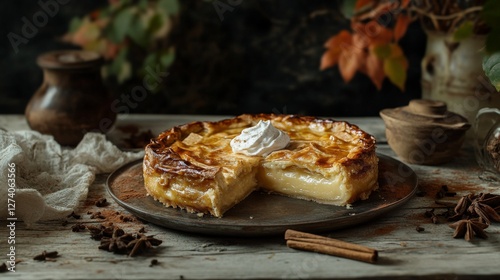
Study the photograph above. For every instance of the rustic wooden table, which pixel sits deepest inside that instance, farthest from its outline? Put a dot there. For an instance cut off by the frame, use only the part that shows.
(404, 252)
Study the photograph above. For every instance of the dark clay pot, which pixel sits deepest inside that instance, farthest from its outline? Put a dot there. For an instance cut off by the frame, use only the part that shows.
(72, 99)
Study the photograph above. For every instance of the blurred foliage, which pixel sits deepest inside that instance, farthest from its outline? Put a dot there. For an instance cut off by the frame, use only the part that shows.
(491, 62)
(132, 36)
(371, 46)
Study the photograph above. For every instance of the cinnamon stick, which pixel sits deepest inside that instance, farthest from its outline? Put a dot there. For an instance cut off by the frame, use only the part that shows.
(325, 245)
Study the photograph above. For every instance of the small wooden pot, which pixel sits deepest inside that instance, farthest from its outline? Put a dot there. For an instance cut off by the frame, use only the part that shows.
(424, 132)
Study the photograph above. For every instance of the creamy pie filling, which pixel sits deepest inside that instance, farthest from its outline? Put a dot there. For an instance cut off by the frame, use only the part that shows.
(193, 167)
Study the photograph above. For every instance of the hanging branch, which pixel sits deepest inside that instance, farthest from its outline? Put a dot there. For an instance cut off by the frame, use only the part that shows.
(446, 16)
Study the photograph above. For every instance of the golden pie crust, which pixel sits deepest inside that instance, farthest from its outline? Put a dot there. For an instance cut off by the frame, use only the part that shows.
(193, 167)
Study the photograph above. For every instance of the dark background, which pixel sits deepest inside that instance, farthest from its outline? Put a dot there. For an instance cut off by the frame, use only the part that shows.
(262, 57)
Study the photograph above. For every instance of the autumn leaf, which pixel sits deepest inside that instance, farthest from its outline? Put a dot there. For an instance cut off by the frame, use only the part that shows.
(335, 45)
(395, 69)
(328, 60)
(396, 51)
(352, 59)
(334, 41)
(382, 51)
(401, 26)
(375, 70)
(349, 63)
(394, 62)
(362, 3)
(405, 3)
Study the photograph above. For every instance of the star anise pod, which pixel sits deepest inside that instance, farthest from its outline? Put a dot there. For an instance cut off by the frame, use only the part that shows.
(485, 212)
(142, 243)
(100, 231)
(492, 200)
(78, 227)
(468, 228)
(461, 207)
(117, 243)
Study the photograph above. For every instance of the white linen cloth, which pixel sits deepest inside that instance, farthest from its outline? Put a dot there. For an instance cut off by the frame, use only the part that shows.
(50, 180)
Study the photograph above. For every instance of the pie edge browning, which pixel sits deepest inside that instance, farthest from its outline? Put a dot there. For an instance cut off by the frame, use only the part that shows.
(159, 158)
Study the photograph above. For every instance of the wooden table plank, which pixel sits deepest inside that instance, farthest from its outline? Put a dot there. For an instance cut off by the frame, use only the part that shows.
(404, 252)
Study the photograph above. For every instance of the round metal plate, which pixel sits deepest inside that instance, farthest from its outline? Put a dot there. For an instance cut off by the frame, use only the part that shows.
(262, 213)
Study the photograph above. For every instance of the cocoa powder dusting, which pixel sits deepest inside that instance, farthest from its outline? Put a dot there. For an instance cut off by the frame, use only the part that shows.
(431, 188)
(385, 230)
(114, 216)
(130, 186)
(380, 231)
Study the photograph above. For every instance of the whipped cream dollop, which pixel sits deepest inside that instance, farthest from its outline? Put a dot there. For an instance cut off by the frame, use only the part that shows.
(260, 140)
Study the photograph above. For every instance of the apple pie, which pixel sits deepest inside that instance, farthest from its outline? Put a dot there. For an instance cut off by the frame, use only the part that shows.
(195, 166)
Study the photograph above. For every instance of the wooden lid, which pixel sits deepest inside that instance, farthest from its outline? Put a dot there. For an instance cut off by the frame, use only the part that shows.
(422, 112)
(70, 59)
(426, 107)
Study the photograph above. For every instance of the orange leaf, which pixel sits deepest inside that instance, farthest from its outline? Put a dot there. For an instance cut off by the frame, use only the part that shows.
(401, 26)
(351, 60)
(362, 3)
(375, 70)
(336, 45)
(329, 59)
(405, 3)
(334, 41)
(396, 50)
(359, 41)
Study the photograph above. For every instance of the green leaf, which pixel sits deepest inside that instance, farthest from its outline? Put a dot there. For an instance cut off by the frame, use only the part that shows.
(464, 31)
(138, 32)
(125, 2)
(383, 51)
(167, 57)
(74, 24)
(347, 8)
(121, 25)
(155, 23)
(150, 60)
(143, 4)
(395, 70)
(491, 67)
(171, 7)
